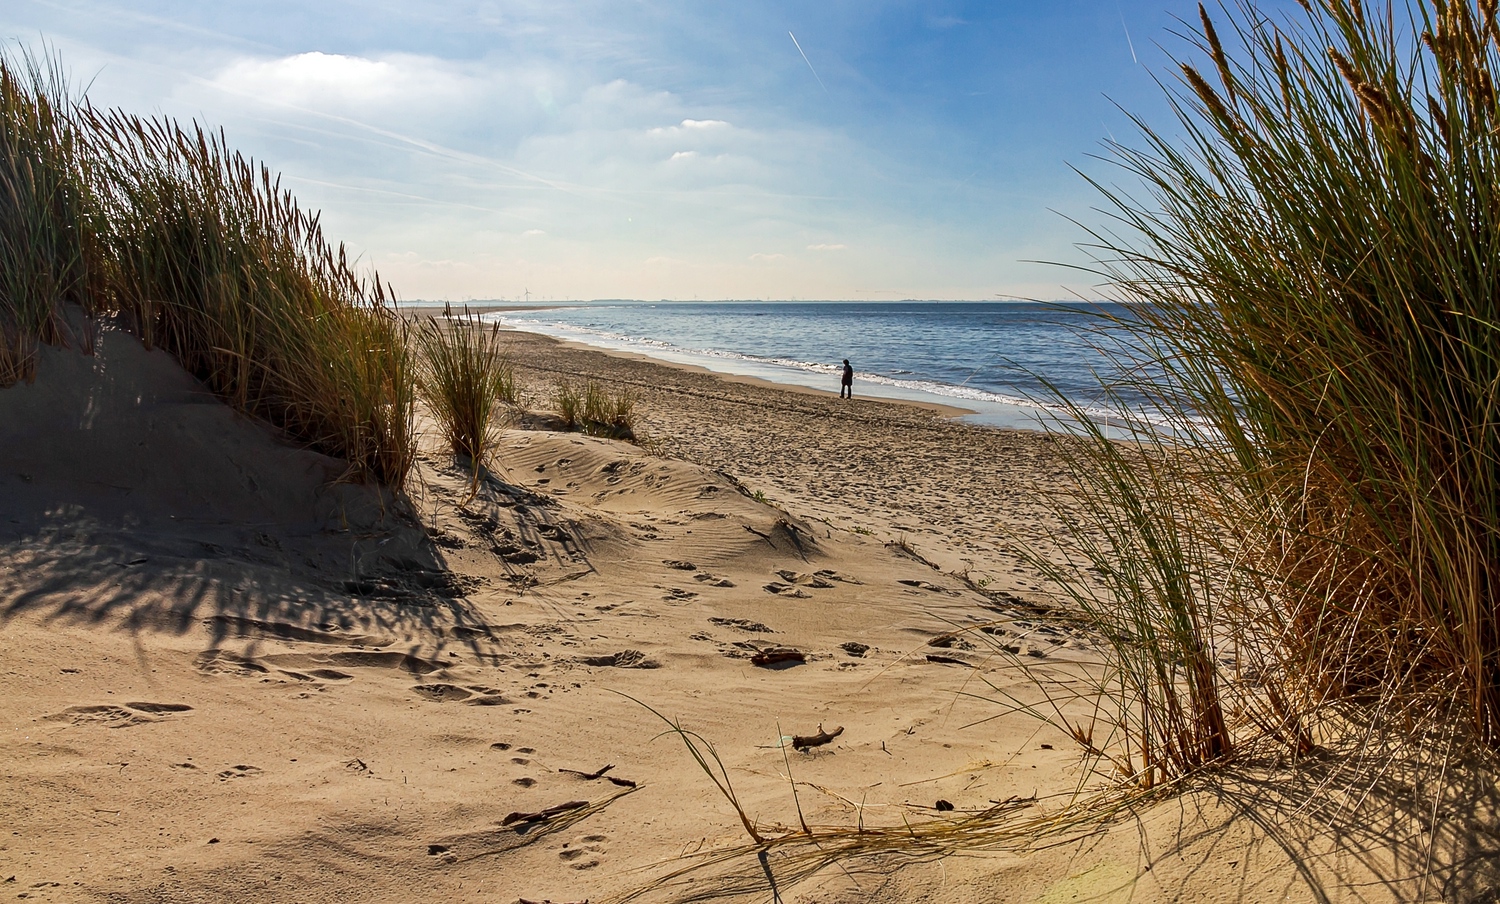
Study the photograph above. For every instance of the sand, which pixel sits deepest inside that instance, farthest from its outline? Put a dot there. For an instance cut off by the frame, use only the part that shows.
(229, 679)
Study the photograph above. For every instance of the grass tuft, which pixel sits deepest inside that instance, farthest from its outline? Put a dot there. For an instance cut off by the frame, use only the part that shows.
(465, 377)
(594, 408)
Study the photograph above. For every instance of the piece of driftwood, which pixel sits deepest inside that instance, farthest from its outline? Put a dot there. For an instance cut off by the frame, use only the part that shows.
(948, 660)
(593, 776)
(544, 815)
(770, 657)
(806, 742)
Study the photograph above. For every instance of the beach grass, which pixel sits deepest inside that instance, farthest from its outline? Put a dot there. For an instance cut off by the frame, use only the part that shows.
(1314, 307)
(592, 407)
(202, 253)
(48, 256)
(465, 378)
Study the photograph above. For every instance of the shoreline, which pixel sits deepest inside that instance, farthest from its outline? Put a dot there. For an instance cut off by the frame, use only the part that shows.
(1012, 415)
(951, 412)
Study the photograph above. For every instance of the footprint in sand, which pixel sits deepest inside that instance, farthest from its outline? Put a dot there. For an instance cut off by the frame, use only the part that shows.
(677, 593)
(353, 659)
(487, 700)
(158, 709)
(625, 659)
(742, 624)
(954, 640)
(787, 590)
(806, 580)
(330, 675)
(712, 581)
(223, 662)
(442, 693)
(929, 587)
(241, 771)
(831, 575)
(112, 716)
(584, 853)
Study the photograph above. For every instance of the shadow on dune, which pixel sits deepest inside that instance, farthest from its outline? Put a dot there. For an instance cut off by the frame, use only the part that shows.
(131, 497)
(1381, 820)
(371, 589)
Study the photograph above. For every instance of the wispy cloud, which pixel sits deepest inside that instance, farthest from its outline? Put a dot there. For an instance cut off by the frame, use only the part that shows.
(561, 144)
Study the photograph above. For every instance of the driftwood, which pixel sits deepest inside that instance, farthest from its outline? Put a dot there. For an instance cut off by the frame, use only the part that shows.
(806, 742)
(592, 776)
(780, 654)
(544, 815)
(949, 660)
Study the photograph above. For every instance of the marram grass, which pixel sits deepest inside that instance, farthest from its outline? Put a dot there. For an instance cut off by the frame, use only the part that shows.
(202, 254)
(1314, 272)
(592, 407)
(46, 233)
(465, 377)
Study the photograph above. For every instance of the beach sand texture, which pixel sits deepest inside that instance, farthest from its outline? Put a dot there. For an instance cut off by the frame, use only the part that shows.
(228, 679)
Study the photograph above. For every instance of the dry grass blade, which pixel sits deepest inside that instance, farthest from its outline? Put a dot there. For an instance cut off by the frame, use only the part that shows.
(707, 758)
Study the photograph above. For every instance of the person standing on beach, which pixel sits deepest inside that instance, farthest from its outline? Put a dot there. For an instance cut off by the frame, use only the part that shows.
(846, 386)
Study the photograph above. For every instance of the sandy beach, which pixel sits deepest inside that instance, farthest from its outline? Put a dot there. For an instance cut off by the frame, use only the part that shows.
(230, 679)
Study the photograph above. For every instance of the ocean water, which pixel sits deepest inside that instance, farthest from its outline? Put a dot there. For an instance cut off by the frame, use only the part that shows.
(992, 358)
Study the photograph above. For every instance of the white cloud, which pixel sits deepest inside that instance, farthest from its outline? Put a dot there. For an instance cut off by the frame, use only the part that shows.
(763, 258)
(330, 80)
(827, 247)
(684, 155)
(535, 232)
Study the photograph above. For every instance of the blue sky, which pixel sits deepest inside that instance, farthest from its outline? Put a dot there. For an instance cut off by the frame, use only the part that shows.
(657, 148)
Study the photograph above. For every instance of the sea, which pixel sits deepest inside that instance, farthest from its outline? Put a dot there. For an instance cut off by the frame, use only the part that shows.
(1010, 364)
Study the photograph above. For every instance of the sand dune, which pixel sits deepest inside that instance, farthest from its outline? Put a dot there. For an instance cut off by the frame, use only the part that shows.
(229, 679)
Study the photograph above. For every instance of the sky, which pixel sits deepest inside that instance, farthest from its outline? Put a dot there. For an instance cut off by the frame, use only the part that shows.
(659, 149)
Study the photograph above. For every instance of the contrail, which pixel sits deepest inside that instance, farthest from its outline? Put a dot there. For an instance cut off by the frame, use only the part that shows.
(809, 63)
(1122, 25)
